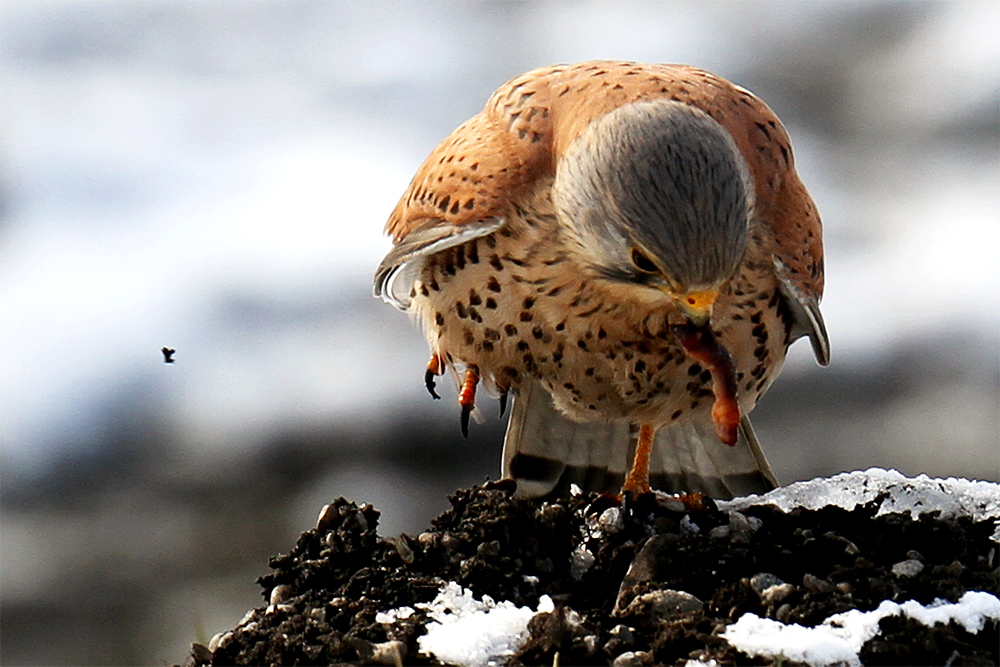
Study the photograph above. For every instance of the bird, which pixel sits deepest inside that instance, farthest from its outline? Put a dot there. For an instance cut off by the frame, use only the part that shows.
(627, 250)
(168, 355)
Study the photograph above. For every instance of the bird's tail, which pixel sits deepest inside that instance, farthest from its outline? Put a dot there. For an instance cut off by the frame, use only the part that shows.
(546, 453)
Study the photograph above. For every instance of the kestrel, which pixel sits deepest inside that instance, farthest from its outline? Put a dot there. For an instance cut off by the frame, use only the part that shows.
(627, 250)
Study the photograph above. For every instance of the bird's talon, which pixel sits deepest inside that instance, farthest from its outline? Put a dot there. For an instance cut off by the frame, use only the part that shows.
(467, 397)
(433, 368)
(503, 402)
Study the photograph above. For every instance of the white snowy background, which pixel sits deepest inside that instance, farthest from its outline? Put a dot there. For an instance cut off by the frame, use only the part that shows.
(213, 176)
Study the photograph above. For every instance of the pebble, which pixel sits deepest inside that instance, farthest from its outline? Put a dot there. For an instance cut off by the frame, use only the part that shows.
(489, 549)
(814, 584)
(622, 633)
(743, 527)
(580, 561)
(201, 652)
(403, 549)
(219, 640)
(689, 527)
(719, 533)
(612, 520)
(907, 568)
(388, 653)
(850, 548)
(326, 518)
(280, 593)
(428, 539)
(761, 581)
(633, 659)
(590, 643)
(674, 505)
(663, 605)
(775, 594)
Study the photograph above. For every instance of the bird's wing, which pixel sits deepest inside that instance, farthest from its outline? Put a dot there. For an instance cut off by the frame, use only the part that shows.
(399, 269)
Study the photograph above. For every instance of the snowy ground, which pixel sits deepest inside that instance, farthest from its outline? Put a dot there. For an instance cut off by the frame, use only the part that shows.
(476, 633)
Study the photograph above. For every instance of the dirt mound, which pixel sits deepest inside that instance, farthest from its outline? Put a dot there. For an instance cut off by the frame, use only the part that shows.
(652, 583)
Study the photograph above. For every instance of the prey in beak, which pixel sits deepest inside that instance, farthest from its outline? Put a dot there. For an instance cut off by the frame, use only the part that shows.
(695, 335)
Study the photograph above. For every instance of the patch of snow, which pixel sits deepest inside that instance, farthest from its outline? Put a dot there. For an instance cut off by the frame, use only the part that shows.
(900, 494)
(840, 637)
(468, 632)
(393, 615)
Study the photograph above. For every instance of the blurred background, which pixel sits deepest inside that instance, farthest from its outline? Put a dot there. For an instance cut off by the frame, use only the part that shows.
(214, 176)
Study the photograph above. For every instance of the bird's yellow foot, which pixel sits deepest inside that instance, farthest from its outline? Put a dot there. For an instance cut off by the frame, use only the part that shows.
(637, 479)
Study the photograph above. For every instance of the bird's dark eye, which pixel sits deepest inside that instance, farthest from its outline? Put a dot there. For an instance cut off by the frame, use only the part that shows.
(642, 262)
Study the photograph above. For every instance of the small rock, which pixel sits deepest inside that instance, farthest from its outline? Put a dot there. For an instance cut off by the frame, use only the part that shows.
(580, 561)
(645, 567)
(814, 584)
(612, 520)
(201, 653)
(623, 634)
(850, 548)
(761, 581)
(388, 653)
(773, 595)
(278, 609)
(953, 569)
(280, 593)
(489, 549)
(689, 527)
(428, 540)
(662, 605)
(403, 549)
(719, 533)
(633, 659)
(673, 504)
(219, 641)
(907, 568)
(743, 527)
(327, 516)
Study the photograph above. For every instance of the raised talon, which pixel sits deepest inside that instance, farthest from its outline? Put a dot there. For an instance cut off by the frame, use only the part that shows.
(433, 368)
(467, 397)
(503, 401)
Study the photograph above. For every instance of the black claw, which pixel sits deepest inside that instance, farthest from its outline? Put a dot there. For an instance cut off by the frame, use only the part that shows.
(466, 411)
(503, 403)
(429, 383)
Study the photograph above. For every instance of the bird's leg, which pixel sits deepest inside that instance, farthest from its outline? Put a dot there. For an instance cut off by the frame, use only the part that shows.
(701, 345)
(433, 368)
(467, 397)
(637, 480)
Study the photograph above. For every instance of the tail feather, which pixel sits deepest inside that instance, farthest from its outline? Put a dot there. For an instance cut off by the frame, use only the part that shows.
(546, 453)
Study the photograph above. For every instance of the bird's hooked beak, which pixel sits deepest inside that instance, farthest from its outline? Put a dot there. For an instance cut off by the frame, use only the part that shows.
(696, 305)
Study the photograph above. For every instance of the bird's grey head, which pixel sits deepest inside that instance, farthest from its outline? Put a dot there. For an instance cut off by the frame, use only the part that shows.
(656, 193)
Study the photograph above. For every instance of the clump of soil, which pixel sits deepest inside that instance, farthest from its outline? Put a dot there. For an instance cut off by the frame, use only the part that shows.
(655, 582)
